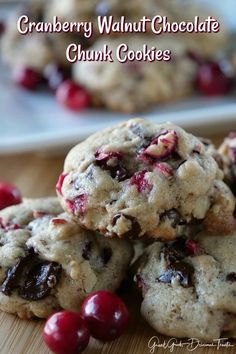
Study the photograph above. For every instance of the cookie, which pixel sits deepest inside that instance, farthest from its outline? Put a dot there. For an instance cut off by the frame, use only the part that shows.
(49, 263)
(137, 85)
(35, 50)
(227, 151)
(189, 287)
(140, 179)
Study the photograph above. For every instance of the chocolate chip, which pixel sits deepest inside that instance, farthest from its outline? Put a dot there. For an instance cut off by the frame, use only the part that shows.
(231, 277)
(135, 230)
(14, 273)
(86, 251)
(174, 251)
(106, 255)
(180, 270)
(40, 280)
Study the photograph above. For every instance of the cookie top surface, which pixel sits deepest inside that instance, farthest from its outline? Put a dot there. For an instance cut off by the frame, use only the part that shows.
(48, 262)
(143, 179)
(189, 287)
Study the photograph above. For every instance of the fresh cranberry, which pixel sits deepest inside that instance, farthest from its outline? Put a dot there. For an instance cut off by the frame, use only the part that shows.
(193, 248)
(60, 183)
(39, 214)
(9, 195)
(211, 80)
(2, 28)
(55, 75)
(66, 333)
(26, 78)
(106, 315)
(139, 180)
(72, 96)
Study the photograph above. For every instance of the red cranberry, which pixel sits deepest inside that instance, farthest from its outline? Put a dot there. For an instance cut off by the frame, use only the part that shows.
(165, 169)
(72, 96)
(193, 248)
(139, 180)
(58, 221)
(2, 28)
(9, 195)
(106, 315)
(211, 80)
(55, 75)
(78, 204)
(66, 333)
(60, 182)
(26, 78)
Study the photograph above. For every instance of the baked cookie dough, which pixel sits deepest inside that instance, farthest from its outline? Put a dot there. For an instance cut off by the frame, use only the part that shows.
(48, 262)
(137, 85)
(140, 179)
(227, 151)
(35, 50)
(189, 287)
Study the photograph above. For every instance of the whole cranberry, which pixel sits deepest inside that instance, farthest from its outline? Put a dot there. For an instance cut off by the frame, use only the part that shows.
(211, 80)
(106, 315)
(9, 195)
(26, 78)
(72, 96)
(66, 333)
(55, 75)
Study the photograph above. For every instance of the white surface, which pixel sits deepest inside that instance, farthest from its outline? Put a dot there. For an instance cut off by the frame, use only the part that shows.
(34, 121)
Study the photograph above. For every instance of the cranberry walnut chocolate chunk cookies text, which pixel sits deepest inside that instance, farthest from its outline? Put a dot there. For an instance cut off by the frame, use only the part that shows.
(189, 287)
(142, 179)
(48, 262)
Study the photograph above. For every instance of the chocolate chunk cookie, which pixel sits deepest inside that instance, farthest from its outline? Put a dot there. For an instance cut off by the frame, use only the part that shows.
(189, 287)
(48, 262)
(136, 85)
(227, 152)
(142, 179)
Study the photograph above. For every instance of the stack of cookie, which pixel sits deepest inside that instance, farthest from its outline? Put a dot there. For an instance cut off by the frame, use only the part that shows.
(136, 181)
(129, 87)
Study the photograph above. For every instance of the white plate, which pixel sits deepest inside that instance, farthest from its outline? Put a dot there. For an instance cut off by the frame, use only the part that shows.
(34, 121)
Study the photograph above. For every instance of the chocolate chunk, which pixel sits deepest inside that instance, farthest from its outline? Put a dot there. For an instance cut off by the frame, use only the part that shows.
(14, 273)
(40, 280)
(231, 277)
(86, 251)
(174, 251)
(37, 277)
(180, 270)
(135, 230)
(106, 255)
(173, 216)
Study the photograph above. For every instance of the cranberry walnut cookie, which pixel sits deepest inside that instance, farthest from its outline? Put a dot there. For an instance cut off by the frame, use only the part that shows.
(48, 262)
(142, 179)
(189, 287)
(227, 151)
